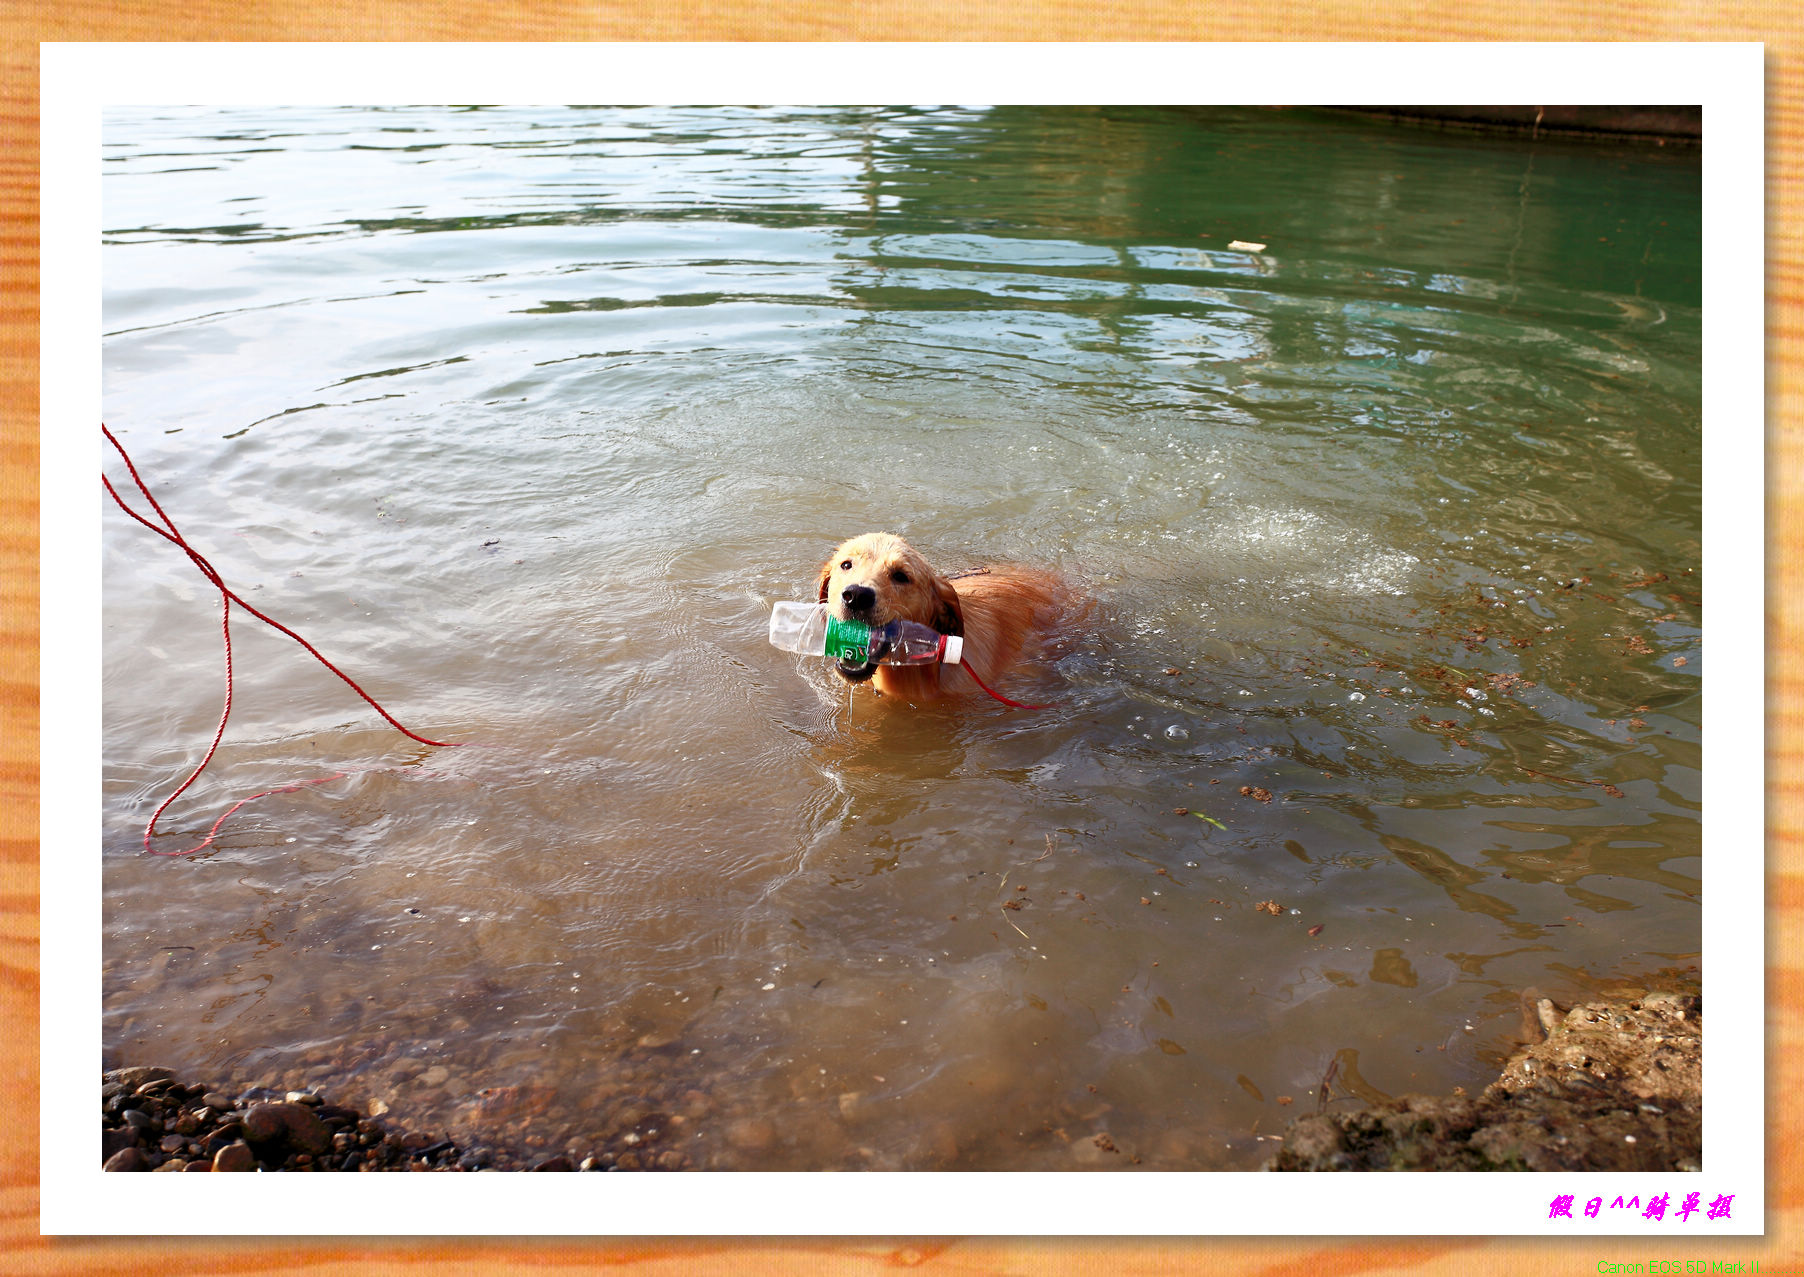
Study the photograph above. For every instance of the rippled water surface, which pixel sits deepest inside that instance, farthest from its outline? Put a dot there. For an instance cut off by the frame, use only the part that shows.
(1387, 708)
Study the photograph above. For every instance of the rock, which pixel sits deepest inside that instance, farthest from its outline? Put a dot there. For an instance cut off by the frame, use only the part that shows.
(120, 1137)
(141, 1121)
(127, 1159)
(437, 1075)
(751, 1135)
(302, 1097)
(1615, 1086)
(559, 1163)
(174, 1164)
(217, 1139)
(201, 1165)
(216, 1101)
(235, 1157)
(173, 1143)
(133, 1078)
(295, 1123)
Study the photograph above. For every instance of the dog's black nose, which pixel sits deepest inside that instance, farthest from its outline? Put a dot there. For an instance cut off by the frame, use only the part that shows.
(858, 598)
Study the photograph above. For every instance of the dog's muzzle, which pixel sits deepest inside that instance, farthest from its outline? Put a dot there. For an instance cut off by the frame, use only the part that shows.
(855, 673)
(857, 603)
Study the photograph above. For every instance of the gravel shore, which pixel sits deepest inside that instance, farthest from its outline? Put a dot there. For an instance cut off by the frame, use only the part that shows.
(1609, 1086)
(150, 1121)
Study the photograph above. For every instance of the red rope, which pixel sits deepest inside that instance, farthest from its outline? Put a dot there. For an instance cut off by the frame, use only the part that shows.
(169, 532)
(1005, 700)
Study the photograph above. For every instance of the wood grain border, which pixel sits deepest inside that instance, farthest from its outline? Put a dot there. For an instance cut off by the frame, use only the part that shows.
(23, 25)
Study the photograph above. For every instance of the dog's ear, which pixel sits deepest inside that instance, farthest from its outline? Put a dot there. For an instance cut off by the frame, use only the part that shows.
(826, 576)
(948, 613)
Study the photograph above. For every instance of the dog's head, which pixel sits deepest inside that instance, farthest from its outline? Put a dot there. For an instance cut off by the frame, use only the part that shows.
(879, 577)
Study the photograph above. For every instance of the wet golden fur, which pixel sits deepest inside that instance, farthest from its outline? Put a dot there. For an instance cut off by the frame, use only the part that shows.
(1000, 612)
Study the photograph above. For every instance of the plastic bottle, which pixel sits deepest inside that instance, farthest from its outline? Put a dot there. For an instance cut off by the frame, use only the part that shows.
(810, 629)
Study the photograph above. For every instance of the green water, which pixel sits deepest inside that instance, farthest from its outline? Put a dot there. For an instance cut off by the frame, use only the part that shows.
(527, 416)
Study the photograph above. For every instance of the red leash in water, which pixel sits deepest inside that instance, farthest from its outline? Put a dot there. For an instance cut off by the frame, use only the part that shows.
(170, 533)
(1005, 700)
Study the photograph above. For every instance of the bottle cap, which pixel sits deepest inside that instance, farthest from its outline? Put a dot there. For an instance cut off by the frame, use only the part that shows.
(955, 648)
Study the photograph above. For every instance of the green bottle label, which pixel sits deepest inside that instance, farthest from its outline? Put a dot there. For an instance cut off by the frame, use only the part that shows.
(848, 641)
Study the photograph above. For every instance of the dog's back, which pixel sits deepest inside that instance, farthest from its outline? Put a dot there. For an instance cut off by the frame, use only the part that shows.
(1007, 613)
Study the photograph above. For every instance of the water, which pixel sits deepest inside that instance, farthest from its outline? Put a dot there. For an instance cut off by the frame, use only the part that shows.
(1387, 709)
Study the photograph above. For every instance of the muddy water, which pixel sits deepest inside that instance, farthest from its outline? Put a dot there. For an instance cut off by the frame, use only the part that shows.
(1386, 709)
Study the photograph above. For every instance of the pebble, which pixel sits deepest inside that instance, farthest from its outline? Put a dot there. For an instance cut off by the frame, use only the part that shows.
(130, 1158)
(142, 1121)
(296, 1123)
(235, 1156)
(133, 1078)
(751, 1135)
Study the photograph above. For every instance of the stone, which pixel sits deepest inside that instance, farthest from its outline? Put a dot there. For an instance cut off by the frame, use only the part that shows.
(437, 1075)
(293, 1122)
(173, 1143)
(127, 1159)
(751, 1135)
(139, 1075)
(142, 1121)
(174, 1164)
(200, 1165)
(558, 1163)
(118, 1138)
(235, 1157)
(229, 1133)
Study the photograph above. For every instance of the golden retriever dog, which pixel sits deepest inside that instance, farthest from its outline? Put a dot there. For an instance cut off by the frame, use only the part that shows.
(1000, 612)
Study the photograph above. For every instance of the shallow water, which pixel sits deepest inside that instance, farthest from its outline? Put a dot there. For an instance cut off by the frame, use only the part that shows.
(526, 417)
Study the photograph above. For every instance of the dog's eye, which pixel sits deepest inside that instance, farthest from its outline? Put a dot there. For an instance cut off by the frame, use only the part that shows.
(846, 566)
(899, 577)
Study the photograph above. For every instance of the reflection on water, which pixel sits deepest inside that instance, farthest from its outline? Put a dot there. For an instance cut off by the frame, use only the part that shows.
(1387, 709)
